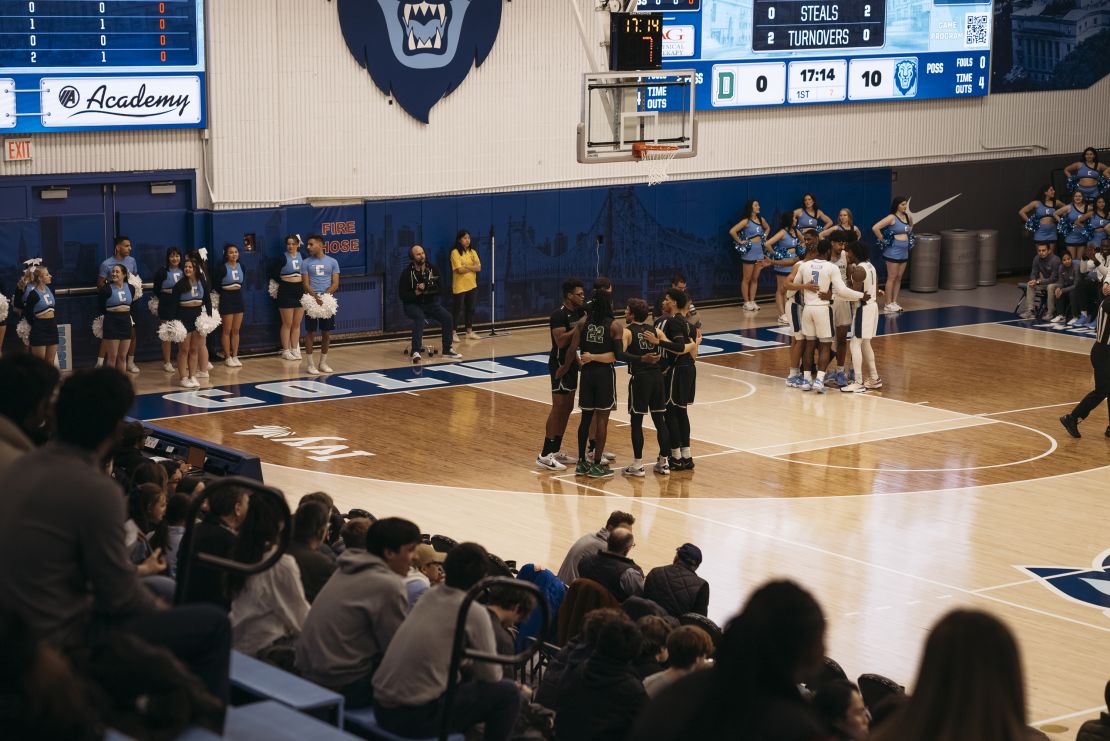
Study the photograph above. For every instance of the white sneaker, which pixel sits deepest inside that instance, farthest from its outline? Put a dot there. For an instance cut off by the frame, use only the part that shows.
(416, 357)
(131, 367)
(229, 362)
(325, 368)
(853, 388)
(287, 354)
(662, 467)
(238, 362)
(633, 471)
(549, 462)
(210, 366)
(186, 383)
(568, 460)
(889, 309)
(201, 374)
(1058, 319)
(472, 335)
(168, 367)
(455, 337)
(873, 383)
(609, 456)
(312, 370)
(784, 319)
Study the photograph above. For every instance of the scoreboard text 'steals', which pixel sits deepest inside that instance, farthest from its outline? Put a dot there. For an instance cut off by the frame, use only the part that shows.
(796, 52)
(72, 65)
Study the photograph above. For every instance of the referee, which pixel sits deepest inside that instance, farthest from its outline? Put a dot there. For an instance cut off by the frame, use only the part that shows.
(1100, 361)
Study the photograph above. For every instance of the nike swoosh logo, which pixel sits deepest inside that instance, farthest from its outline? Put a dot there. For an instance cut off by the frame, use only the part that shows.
(919, 216)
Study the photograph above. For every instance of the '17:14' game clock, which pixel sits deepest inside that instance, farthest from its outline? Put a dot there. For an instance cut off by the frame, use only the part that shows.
(635, 41)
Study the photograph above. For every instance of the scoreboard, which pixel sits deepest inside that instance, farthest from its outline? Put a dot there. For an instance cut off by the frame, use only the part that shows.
(799, 52)
(75, 65)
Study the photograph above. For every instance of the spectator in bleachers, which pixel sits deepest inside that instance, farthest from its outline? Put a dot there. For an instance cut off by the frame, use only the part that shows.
(688, 649)
(310, 530)
(508, 608)
(575, 652)
(1067, 298)
(652, 658)
(613, 568)
(751, 691)
(146, 530)
(840, 705)
(24, 415)
(410, 683)
(175, 471)
(191, 485)
(591, 543)
(360, 608)
(147, 472)
(177, 510)
(600, 699)
(268, 608)
(80, 585)
(1044, 276)
(970, 685)
(215, 534)
(1097, 729)
(332, 545)
(353, 532)
(129, 454)
(677, 588)
(426, 572)
(583, 597)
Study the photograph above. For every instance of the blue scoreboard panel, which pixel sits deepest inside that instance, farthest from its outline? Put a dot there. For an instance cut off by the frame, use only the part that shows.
(75, 65)
(797, 52)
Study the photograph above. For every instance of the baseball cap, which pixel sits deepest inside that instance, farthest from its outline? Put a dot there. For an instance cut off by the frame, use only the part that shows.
(425, 554)
(689, 552)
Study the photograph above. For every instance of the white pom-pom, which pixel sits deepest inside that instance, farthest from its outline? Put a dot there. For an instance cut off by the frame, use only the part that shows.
(98, 327)
(272, 289)
(23, 329)
(153, 305)
(207, 322)
(172, 332)
(136, 283)
(3, 308)
(326, 309)
(215, 302)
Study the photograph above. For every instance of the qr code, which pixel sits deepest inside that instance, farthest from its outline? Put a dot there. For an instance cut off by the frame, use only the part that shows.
(977, 29)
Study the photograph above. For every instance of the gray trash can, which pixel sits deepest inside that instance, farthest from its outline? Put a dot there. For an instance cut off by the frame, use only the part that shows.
(925, 263)
(988, 256)
(959, 267)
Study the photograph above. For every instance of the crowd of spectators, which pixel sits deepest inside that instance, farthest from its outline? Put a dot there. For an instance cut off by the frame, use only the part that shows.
(96, 631)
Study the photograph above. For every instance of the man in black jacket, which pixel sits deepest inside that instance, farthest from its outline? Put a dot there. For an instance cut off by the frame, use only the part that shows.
(419, 288)
(613, 569)
(676, 588)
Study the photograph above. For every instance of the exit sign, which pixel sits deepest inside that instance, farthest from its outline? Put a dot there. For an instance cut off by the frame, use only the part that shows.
(18, 150)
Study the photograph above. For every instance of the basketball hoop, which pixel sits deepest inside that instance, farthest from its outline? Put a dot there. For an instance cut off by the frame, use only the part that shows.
(658, 158)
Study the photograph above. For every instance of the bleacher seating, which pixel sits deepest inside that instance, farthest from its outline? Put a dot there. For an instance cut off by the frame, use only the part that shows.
(366, 725)
(256, 680)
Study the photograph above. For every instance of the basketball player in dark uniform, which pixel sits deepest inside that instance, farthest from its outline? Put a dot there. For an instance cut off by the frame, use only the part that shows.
(601, 283)
(646, 393)
(679, 376)
(1100, 362)
(562, 366)
(597, 383)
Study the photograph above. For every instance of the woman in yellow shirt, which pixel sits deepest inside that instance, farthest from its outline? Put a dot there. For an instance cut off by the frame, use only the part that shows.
(465, 267)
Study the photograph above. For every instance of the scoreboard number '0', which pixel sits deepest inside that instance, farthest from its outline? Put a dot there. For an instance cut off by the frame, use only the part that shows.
(749, 84)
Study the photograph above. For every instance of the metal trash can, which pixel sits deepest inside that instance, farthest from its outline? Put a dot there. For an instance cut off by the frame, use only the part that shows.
(988, 256)
(959, 268)
(925, 263)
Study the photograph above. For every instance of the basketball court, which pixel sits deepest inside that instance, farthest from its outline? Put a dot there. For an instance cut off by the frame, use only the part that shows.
(953, 486)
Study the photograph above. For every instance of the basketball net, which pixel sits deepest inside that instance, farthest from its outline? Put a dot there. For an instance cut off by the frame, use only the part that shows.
(657, 158)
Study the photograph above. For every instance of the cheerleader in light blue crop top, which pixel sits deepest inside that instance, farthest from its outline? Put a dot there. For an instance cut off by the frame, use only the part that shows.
(749, 234)
(1073, 223)
(1039, 216)
(784, 248)
(1098, 222)
(899, 224)
(1087, 176)
(810, 215)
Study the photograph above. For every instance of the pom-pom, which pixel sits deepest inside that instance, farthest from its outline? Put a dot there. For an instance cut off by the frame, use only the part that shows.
(742, 247)
(1064, 227)
(780, 253)
(3, 308)
(1032, 223)
(215, 298)
(172, 332)
(206, 323)
(272, 288)
(153, 305)
(1072, 183)
(1103, 183)
(137, 284)
(23, 329)
(326, 309)
(98, 327)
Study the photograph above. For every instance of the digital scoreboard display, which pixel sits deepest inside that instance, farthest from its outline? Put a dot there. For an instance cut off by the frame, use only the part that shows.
(635, 41)
(798, 52)
(74, 65)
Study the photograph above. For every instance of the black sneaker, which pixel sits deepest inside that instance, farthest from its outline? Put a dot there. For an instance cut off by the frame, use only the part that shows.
(687, 464)
(676, 464)
(1071, 425)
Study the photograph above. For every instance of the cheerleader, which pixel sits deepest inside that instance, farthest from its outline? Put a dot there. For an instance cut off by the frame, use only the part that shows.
(748, 234)
(1097, 224)
(1087, 177)
(200, 257)
(784, 249)
(810, 215)
(39, 309)
(897, 252)
(190, 298)
(164, 281)
(121, 255)
(1072, 218)
(229, 283)
(115, 302)
(1039, 216)
(289, 291)
(844, 221)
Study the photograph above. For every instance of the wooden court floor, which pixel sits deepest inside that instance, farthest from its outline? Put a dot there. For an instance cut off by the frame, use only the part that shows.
(892, 507)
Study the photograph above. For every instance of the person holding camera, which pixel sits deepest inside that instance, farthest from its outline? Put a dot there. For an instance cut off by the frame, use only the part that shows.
(419, 287)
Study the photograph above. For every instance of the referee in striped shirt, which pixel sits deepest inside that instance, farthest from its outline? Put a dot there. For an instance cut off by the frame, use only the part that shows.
(1100, 361)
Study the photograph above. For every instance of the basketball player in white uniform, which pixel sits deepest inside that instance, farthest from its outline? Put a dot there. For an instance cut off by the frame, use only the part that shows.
(865, 321)
(842, 307)
(799, 353)
(817, 279)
